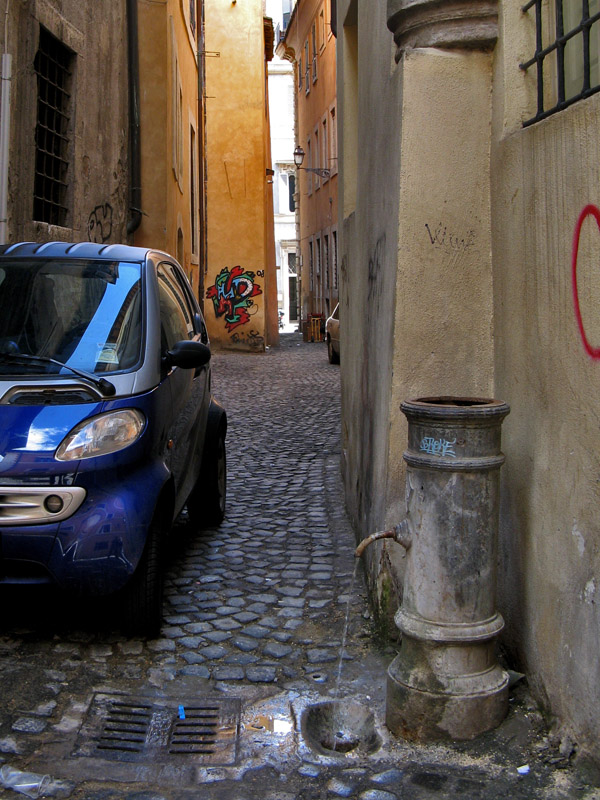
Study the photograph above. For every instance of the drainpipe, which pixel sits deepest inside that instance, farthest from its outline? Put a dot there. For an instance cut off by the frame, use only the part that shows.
(445, 682)
(135, 170)
(5, 132)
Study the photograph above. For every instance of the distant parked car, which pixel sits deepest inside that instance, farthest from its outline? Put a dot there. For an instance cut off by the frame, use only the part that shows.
(107, 422)
(332, 335)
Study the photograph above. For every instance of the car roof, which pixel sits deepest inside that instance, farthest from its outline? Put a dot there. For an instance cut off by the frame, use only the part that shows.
(112, 252)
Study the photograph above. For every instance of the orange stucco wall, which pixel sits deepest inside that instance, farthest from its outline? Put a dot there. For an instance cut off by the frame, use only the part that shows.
(240, 252)
(169, 132)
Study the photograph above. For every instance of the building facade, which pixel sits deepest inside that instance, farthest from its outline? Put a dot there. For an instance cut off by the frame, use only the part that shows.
(240, 280)
(281, 111)
(469, 243)
(169, 135)
(64, 164)
(310, 45)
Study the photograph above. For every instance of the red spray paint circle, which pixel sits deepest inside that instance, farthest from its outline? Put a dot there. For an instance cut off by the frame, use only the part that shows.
(588, 211)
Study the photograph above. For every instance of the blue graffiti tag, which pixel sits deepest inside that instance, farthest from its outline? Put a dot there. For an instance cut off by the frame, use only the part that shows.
(437, 447)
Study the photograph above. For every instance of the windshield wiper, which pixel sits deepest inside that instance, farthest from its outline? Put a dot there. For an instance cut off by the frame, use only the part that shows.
(106, 387)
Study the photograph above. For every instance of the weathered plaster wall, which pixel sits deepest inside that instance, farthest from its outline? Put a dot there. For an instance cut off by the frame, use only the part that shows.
(416, 273)
(98, 172)
(443, 325)
(236, 128)
(155, 72)
(550, 540)
(369, 102)
(169, 122)
(457, 242)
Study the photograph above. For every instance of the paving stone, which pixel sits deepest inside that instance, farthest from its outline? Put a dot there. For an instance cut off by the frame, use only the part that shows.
(236, 602)
(292, 602)
(245, 643)
(177, 619)
(281, 636)
(261, 674)
(161, 646)
(275, 650)
(269, 599)
(256, 631)
(321, 655)
(213, 652)
(217, 636)
(44, 709)
(377, 794)
(293, 613)
(10, 745)
(290, 591)
(227, 624)
(226, 610)
(190, 641)
(193, 658)
(309, 771)
(388, 776)
(339, 788)
(229, 673)
(29, 725)
(270, 622)
(293, 624)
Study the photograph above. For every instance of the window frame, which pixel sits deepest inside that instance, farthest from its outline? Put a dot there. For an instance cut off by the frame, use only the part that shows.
(52, 193)
(555, 52)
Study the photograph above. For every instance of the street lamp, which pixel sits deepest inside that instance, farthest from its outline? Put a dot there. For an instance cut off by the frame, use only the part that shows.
(299, 158)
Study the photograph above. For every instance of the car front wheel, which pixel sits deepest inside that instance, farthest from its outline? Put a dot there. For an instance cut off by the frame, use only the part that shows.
(142, 597)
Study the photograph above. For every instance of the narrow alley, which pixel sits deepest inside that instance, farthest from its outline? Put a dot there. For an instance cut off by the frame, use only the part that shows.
(254, 626)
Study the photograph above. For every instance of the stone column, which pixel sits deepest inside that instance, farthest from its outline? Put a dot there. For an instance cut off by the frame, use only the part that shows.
(444, 292)
(443, 23)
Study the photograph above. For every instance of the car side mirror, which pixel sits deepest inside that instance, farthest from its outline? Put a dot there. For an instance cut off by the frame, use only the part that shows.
(187, 355)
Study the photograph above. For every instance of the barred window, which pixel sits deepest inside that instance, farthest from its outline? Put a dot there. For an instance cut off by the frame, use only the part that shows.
(566, 53)
(54, 67)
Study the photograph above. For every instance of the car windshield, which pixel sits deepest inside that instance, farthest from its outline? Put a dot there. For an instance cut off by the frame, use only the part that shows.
(84, 313)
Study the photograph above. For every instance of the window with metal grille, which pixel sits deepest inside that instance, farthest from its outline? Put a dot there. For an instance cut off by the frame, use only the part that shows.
(54, 67)
(566, 53)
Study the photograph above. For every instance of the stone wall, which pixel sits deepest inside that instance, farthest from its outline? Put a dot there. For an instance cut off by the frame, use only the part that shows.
(456, 250)
(98, 133)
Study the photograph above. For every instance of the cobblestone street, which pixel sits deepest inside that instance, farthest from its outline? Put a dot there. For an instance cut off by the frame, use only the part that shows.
(254, 620)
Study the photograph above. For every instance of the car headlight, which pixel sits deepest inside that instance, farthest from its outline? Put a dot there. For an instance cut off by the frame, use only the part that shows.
(102, 435)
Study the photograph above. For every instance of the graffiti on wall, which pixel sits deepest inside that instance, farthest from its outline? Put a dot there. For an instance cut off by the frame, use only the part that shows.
(443, 239)
(588, 211)
(232, 294)
(100, 223)
(252, 339)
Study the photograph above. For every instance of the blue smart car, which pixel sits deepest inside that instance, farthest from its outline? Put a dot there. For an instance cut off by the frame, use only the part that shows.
(107, 422)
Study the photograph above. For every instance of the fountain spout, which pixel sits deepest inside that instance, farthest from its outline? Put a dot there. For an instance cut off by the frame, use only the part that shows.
(399, 533)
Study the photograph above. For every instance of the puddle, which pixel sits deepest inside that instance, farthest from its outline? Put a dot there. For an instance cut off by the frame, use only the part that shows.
(270, 724)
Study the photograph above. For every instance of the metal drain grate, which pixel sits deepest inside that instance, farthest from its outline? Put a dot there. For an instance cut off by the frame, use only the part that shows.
(159, 731)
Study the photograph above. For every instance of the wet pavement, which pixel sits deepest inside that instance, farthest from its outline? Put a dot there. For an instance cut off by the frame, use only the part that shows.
(230, 702)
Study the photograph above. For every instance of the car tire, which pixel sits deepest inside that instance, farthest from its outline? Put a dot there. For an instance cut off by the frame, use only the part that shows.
(207, 501)
(143, 595)
(334, 358)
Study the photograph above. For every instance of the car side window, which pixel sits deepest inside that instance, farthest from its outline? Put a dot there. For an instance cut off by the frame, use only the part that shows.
(176, 318)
